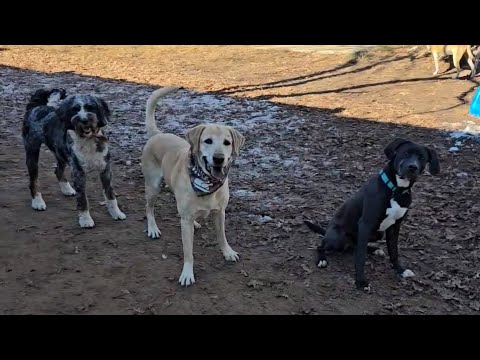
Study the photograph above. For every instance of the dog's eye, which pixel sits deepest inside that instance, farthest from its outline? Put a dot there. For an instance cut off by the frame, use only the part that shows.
(88, 108)
(208, 141)
(76, 108)
(226, 143)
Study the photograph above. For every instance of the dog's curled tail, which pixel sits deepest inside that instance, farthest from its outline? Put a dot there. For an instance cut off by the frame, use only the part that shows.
(44, 97)
(152, 128)
(315, 227)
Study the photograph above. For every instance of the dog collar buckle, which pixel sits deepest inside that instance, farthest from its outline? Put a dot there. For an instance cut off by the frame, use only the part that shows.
(387, 181)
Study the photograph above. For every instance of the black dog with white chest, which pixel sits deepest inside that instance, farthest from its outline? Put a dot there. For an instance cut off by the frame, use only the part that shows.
(71, 129)
(378, 207)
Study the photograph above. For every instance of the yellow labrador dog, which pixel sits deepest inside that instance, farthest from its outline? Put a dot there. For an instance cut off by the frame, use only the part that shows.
(457, 51)
(197, 172)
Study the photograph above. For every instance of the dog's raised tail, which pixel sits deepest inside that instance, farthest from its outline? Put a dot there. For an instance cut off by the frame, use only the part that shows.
(45, 97)
(150, 123)
(315, 228)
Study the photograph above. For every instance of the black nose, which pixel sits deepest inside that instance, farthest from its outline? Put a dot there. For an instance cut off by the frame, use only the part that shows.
(218, 160)
(412, 167)
(81, 119)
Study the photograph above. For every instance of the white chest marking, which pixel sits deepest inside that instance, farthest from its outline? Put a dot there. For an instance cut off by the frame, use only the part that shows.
(394, 213)
(402, 182)
(86, 152)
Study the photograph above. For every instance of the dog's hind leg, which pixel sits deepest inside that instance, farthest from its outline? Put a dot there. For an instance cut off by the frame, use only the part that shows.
(327, 245)
(65, 186)
(228, 252)
(456, 63)
(470, 59)
(152, 189)
(333, 241)
(32, 153)
(321, 256)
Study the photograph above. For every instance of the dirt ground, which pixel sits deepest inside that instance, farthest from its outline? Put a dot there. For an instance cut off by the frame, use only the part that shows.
(315, 124)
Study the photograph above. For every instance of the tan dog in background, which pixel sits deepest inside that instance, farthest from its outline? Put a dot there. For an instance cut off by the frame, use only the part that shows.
(457, 51)
(197, 172)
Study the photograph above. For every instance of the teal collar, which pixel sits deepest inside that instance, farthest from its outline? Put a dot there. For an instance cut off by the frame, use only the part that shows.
(387, 181)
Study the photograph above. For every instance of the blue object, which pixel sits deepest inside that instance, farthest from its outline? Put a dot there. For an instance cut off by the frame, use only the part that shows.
(387, 181)
(475, 105)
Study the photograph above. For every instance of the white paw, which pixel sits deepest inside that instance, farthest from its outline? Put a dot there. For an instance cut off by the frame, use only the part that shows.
(231, 255)
(435, 73)
(187, 278)
(114, 211)
(67, 189)
(153, 230)
(38, 203)
(85, 220)
(322, 264)
(196, 225)
(379, 252)
(407, 273)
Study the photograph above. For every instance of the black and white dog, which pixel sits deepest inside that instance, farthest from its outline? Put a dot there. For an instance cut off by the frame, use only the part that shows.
(71, 129)
(378, 207)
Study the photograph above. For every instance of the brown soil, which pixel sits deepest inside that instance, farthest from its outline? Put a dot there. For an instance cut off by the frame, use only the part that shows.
(331, 119)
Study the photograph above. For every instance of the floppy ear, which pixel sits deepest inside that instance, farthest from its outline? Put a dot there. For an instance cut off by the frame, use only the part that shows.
(433, 161)
(193, 137)
(391, 149)
(62, 113)
(104, 113)
(238, 141)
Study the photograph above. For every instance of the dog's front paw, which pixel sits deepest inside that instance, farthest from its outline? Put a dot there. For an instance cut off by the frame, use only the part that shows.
(230, 254)
(119, 216)
(363, 285)
(85, 220)
(186, 277)
(38, 203)
(379, 252)
(153, 231)
(196, 225)
(67, 189)
(407, 273)
(114, 211)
